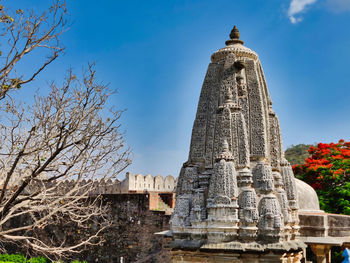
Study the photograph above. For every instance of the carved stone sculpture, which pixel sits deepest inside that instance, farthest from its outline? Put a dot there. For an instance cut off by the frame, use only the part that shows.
(236, 187)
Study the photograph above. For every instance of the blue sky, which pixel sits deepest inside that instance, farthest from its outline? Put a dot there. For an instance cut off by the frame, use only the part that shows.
(156, 54)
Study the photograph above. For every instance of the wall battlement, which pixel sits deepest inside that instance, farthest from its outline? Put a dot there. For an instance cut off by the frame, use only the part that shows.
(133, 183)
(140, 183)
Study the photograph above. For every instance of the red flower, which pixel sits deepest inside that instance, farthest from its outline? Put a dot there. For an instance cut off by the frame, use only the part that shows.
(316, 186)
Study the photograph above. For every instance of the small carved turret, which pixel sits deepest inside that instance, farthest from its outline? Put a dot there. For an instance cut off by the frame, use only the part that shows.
(225, 154)
(222, 200)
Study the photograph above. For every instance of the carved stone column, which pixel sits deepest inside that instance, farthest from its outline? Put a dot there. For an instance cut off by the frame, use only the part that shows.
(322, 252)
(250, 258)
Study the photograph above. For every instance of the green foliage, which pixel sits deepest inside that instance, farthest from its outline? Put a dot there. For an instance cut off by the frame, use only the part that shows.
(296, 154)
(13, 258)
(337, 255)
(38, 260)
(17, 258)
(328, 172)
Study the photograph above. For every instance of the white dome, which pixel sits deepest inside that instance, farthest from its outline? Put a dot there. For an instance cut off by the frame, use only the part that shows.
(307, 197)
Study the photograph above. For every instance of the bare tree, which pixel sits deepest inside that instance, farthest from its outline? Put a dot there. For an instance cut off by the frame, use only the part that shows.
(61, 137)
(68, 135)
(21, 33)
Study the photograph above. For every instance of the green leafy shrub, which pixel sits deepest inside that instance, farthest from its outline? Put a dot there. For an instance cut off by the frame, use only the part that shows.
(13, 258)
(38, 260)
(17, 258)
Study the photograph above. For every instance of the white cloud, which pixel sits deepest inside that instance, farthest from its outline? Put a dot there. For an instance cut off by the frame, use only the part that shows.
(294, 20)
(298, 6)
(339, 5)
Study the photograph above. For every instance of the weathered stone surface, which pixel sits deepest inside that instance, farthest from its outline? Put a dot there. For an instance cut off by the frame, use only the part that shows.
(236, 185)
(180, 256)
(307, 197)
(320, 224)
(130, 238)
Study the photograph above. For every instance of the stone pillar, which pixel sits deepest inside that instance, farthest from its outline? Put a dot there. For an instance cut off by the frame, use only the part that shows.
(271, 258)
(250, 258)
(322, 252)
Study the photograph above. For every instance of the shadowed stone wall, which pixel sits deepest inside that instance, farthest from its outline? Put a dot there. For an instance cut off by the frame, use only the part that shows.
(131, 236)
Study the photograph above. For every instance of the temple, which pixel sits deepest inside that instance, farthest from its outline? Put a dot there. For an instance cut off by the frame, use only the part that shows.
(236, 197)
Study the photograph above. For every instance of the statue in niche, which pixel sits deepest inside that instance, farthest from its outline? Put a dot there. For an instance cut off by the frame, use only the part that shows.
(241, 86)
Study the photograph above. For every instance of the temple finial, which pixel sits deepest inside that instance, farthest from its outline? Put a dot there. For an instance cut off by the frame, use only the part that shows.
(234, 35)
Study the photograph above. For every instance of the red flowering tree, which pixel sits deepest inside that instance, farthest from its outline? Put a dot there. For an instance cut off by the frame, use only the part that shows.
(328, 172)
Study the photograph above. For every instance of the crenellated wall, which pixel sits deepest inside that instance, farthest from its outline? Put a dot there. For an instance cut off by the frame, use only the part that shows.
(133, 183)
(138, 207)
(141, 183)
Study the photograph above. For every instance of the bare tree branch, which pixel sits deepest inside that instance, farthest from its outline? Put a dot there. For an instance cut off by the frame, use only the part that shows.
(67, 135)
(24, 32)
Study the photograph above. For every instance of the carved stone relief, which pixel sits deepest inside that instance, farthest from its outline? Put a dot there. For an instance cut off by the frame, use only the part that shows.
(236, 184)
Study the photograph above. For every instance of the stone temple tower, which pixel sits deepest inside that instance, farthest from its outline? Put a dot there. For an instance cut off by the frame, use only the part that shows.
(236, 196)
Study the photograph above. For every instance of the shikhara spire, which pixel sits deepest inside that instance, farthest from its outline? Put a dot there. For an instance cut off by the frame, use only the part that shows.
(236, 187)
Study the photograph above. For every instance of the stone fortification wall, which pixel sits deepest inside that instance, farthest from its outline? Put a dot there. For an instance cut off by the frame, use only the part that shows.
(131, 237)
(131, 184)
(140, 183)
(139, 206)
